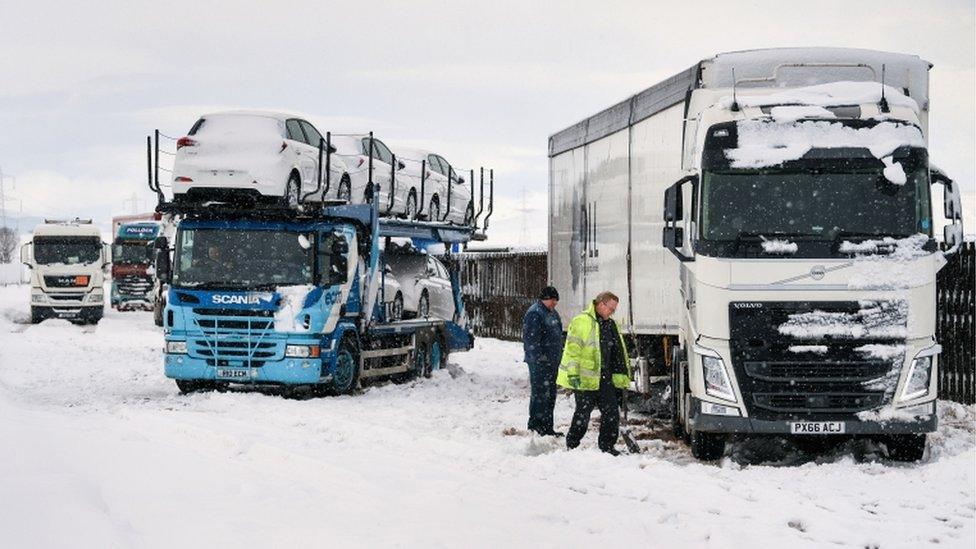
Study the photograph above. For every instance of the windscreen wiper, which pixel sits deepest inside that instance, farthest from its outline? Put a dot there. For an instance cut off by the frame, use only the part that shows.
(748, 236)
(211, 285)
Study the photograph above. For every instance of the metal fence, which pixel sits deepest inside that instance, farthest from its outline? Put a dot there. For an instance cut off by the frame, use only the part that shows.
(500, 286)
(954, 326)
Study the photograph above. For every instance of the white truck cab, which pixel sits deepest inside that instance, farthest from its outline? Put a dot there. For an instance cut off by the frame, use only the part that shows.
(67, 259)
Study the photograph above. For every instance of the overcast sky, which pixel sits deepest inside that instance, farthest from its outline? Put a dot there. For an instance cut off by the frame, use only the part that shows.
(485, 83)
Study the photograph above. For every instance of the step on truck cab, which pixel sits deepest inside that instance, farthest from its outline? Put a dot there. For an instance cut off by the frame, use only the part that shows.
(67, 260)
(293, 298)
(787, 285)
(133, 280)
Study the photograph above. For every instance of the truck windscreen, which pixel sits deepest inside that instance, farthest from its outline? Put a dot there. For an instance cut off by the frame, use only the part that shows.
(132, 253)
(244, 259)
(68, 250)
(813, 206)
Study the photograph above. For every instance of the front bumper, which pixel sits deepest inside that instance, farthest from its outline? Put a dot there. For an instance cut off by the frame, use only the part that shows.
(853, 425)
(287, 371)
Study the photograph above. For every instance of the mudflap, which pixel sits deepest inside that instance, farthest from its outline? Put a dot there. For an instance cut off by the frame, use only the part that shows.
(458, 338)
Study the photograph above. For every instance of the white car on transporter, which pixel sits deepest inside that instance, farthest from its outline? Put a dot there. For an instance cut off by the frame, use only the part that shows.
(352, 152)
(255, 156)
(435, 188)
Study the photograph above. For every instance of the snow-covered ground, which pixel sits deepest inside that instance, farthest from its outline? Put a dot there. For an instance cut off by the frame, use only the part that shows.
(97, 449)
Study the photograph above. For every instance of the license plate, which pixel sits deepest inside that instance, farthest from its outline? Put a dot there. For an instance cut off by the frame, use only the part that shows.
(817, 427)
(228, 373)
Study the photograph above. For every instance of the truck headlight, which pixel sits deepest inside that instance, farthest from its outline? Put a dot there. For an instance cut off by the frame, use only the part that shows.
(917, 382)
(717, 382)
(95, 296)
(176, 347)
(37, 298)
(302, 351)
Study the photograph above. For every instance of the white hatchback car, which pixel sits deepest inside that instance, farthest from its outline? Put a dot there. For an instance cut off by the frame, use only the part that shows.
(435, 188)
(425, 284)
(353, 152)
(261, 156)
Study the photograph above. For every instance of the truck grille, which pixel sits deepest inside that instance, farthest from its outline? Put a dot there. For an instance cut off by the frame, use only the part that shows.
(135, 285)
(66, 281)
(780, 384)
(244, 339)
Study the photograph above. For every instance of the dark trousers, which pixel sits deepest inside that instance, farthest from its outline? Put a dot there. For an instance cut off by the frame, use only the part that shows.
(542, 377)
(607, 398)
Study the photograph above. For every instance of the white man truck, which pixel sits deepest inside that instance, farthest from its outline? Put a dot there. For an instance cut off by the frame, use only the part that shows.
(67, 261)
(787, 286)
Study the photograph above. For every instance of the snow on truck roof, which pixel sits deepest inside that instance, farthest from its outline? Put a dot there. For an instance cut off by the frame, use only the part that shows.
(76, 227)
(775, 68)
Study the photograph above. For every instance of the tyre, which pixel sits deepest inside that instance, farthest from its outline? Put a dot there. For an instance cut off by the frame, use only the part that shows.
(345, 189)
(707, 446)
(411, 209)
(37, 315)
(292, 190)
(187, 386)
(434, 211)
(347, 367)
(396, 308)
(906, 447)
(469, 214)
(423, 306)
(421, 360)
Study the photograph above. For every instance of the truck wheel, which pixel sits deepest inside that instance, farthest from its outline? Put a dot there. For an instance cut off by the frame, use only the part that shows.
(347, 368)
(906, 447)
(707, 446)
(36, 315)
(423, 306)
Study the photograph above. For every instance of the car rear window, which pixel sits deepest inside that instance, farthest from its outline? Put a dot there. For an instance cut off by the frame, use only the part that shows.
(242, 124)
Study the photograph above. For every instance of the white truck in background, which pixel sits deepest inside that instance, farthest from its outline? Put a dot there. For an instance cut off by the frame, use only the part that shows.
(788, 284)
(67, 259)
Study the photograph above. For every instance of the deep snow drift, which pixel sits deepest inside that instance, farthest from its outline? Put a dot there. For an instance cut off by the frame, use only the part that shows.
(99, 450)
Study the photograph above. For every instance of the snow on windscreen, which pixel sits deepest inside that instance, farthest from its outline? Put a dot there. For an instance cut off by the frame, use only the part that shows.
(779, 247)
(887, 263)
(792, 113)
(763, 143)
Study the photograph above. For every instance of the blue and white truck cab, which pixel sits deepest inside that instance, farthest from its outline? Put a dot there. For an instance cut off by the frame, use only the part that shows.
(294, 301)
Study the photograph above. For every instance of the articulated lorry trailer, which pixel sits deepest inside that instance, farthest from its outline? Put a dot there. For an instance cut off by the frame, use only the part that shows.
(766, 218)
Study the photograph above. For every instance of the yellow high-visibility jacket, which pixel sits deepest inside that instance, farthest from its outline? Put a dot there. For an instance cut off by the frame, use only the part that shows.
(580, 365)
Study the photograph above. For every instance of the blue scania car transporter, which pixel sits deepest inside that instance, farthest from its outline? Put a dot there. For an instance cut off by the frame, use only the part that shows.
(293, 298)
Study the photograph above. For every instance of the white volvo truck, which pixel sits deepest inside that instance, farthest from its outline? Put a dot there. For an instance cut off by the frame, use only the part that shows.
(793, 291)
(67, 261)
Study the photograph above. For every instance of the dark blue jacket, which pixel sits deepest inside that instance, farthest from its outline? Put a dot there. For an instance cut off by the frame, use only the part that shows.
(542, 335)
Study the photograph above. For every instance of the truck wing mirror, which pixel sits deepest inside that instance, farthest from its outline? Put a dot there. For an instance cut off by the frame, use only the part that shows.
(952, 233)
(27, 254)
(673, 235)
(106, 254)
(162, 265)
(161, 243)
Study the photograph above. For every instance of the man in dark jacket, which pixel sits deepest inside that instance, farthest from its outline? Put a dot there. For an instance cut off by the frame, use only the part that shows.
(542, 339)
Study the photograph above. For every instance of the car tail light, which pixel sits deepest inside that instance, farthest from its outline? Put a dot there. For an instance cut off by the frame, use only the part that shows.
(185, 142)
(284, 145)
(182, 179)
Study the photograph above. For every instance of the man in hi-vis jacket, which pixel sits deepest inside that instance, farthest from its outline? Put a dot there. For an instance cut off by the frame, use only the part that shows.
(595, 366)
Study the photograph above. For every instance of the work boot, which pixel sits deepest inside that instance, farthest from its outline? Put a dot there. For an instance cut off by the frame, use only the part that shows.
(553, 434)
(612, 451)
